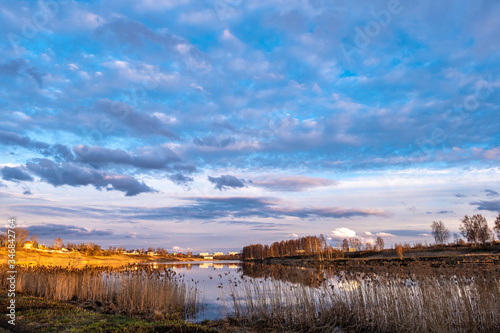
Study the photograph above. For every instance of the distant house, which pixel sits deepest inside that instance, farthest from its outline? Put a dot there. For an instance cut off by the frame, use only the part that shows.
(64, 250)
(233, 253)
(150, 253)
(209, 257)
(28, 245)
(203, 254)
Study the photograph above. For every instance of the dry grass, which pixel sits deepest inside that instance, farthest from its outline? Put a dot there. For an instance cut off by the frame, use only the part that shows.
(79, 260)
(390, 301)
(143, 291)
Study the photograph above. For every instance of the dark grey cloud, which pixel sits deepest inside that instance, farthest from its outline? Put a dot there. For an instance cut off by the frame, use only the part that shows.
(441, 212)
(491, 193)
(408, 233)
(15, 174)
(10, 138)
(226, 181)
(58, 151)
(213, 142)
(244, 207)
(180, 179)
(74, 175)
(291, 183)
(27, 192)
(132, 120)
(74, 211)
(459, 195)
(59, 230)
(147, 158)
(21, 67)
(492, 205)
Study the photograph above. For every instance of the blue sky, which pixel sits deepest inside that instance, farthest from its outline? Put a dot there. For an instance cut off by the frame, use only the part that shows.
(209, 125)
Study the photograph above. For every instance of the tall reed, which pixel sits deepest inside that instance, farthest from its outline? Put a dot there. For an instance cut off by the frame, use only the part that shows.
(366, 302)
(135, 291)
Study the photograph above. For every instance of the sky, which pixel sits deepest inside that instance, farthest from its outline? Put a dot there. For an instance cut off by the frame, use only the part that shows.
(210, 125)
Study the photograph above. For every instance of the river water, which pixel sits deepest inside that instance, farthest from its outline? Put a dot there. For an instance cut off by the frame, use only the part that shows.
(216, 281)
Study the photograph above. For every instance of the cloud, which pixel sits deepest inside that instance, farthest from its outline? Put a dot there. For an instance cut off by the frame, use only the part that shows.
(132, 120)
(342, 233)
(60, 230)
(459, 195)
(21, 67)
(58, 151)
(180, 179)
(74, 175)
(11, 138)
(15, 174)
(441, 212)
(291, 183)
(424, 235)
(492, 205)
(147, 158)
(491, 193)
(209, 208)
(213, 142)
(226, 181)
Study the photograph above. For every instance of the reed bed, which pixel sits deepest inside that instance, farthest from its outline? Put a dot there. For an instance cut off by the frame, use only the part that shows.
(367, 302)
(143, 291)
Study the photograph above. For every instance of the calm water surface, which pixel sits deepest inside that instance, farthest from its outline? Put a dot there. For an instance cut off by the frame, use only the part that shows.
(214, 281)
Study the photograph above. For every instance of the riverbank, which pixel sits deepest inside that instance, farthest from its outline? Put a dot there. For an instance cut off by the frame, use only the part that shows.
(25, 257)
(36, 314)
(434, 257)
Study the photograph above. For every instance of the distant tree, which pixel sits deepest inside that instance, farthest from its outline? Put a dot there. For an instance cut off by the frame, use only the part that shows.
(497, 226)
(21, 236)
(151, 249)
(3, 239)
(58, 243)
(189, 253)
(440, 232)
(34, 240)
(379, 243)
(368, 246)
(399, 251)
(475, 229)
(345, 245)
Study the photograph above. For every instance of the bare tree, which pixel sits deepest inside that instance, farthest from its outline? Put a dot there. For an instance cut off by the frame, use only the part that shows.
(379, 243)
(34, 240)
(440, 232)
(497, 226)
(345, 245)
(21, 236)
(475, 229)
(58, 243)
(400, 251)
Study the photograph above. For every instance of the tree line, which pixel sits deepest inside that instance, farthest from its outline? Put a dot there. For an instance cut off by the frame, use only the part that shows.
(473, 228)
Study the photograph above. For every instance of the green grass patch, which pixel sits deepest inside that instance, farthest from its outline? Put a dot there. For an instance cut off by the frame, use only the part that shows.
(35, 314)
